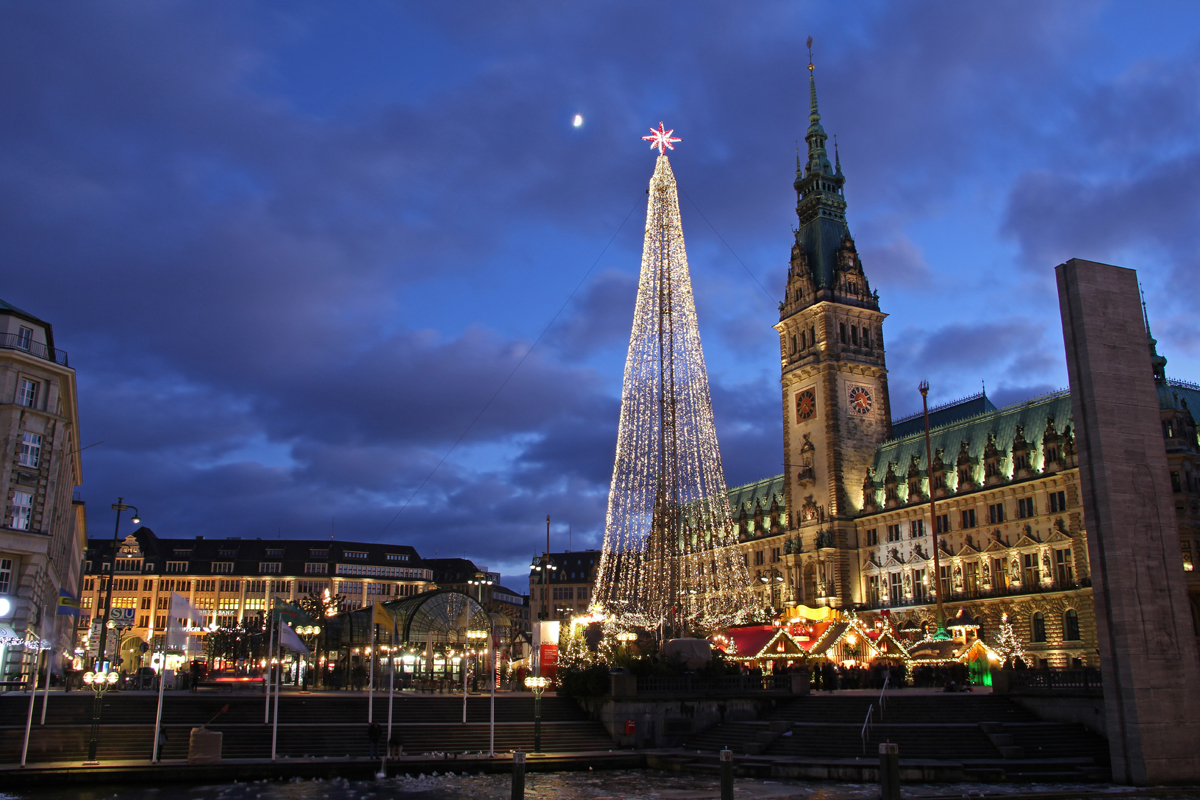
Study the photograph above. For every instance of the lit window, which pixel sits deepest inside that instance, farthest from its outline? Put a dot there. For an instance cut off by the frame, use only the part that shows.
(31, 450)
(222, 566)
(27, 394)
(269, 566)
(6, 570)
(22, 511)
(1038, 627)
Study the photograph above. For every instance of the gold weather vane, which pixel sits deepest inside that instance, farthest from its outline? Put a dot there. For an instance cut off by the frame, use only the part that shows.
(810, 64)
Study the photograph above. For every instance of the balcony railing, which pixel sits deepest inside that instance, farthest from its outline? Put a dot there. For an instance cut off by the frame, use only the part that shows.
(14, 341)
(724, 684)
(982, 594)
(1049, 681)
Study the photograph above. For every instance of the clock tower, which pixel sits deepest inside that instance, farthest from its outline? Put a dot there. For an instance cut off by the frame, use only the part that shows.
(834, 379)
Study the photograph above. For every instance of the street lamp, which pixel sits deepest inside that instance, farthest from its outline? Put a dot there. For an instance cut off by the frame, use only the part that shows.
(110, 676)
(481, 579)
(99, 682)
(538, 684)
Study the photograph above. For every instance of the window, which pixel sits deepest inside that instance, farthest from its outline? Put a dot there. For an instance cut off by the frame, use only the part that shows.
(31, 450)
(895, 589)
(22, 511)
(144, 621)
(803, 340)
(996, 513)
(222, 566)
(776, 555)
(1025, 508)
(968, 518)
(318, 554)
(999, 574)
(854, 335)
(281, 587)
(1037, 628)
(1176, 486)
(866, 334)
(147, 585)
(269, 566)
(1062, 567)
(231, 586)
(312, 568)
(1021, 461)
(177, 566)
(163, 603)
(842, 332)
(397, 556)
(175, 586)
(918, 578)
(256, 604)
(274, 552)
(1058, 502)
(228, 553)
(6, 571)
(1052, 454)
(943, 523)
(916, 528)
(1033, 573)
(1071, 625)
(24, 337)
(1188, 565)
(945, 587)
(206, 586)
(160, 621)
(354, 554)
(872, 537)
(145, 603)
(893, 533)
(971, 578)
(873, 588)
(758, 558)
(27, 394)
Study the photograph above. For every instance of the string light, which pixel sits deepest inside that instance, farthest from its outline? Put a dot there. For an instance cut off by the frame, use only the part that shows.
(671, 555)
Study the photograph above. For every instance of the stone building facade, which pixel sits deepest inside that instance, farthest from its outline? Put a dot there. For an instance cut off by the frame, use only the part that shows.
(43, 533)
(849, 525)
(231, 580)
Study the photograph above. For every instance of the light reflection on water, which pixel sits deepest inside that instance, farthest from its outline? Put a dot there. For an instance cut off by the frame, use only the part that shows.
(608, 785)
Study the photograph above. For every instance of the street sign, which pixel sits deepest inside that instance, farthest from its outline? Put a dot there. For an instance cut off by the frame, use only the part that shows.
(122, 616)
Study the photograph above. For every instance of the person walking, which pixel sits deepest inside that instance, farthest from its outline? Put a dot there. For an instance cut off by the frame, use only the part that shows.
(374, 734)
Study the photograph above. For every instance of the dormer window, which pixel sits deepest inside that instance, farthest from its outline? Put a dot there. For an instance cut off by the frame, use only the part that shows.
(24, 338)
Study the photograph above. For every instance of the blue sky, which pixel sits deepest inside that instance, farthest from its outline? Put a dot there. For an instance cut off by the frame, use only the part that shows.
(293, 249)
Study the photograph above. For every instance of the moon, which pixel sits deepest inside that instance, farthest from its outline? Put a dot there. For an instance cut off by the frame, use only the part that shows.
(578, 121)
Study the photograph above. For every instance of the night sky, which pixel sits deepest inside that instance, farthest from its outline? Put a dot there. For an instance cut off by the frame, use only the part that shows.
(295, 250)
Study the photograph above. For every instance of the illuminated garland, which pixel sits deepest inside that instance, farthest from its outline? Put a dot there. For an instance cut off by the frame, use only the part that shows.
(671, 554)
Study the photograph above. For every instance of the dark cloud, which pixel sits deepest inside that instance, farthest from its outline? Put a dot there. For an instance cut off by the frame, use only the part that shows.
(299, 257)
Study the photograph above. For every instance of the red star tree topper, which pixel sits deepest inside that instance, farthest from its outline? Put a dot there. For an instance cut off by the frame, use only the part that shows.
(661, 139)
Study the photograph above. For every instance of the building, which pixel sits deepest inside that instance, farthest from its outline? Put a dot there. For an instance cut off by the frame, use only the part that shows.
(848, 523)
(235, 580)
(43, 533)
(570, 585)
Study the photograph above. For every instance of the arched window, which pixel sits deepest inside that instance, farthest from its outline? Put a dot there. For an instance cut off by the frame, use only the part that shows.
(1037, 628)
(1071, 625)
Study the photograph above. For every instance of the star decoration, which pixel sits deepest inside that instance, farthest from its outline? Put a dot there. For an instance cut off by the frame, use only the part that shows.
(661, 139)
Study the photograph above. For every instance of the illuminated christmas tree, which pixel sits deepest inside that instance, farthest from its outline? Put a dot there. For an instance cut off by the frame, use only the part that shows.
(1006, 644)
(670, 558)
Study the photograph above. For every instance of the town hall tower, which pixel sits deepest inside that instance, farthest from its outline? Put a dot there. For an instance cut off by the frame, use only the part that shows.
(836, 409)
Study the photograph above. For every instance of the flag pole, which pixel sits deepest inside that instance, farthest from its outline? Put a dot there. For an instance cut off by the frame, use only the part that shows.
(46, 692)
(162, 673)
(391, 685)
(492, 681)
(32, 695)
(275, 719)
(371, 672)
(267, 680)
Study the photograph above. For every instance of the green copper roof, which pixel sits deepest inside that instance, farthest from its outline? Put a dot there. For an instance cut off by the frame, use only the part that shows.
(1031, 414)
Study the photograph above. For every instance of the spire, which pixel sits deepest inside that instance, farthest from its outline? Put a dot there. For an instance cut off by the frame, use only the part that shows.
(1157, 362)
(818, 156)
(837, 158)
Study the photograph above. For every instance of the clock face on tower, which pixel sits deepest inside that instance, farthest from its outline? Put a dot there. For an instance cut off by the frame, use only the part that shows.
(861, 401)
(806, 405)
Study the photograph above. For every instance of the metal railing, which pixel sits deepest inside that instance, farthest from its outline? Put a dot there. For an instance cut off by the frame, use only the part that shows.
(963, 596)
(723, 684)
(1051, 680)
(14, 341)
(882, 697)
(866, 728)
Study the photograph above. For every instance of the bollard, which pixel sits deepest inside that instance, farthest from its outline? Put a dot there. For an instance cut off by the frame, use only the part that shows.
(518, 783)
(889, 771)
(726, 774)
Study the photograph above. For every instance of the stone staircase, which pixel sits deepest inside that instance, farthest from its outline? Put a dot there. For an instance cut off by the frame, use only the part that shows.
(991, 736)
(314, 725)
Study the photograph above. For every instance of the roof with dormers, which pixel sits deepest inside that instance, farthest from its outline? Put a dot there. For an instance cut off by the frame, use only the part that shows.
(1031, 415)
(760, 493)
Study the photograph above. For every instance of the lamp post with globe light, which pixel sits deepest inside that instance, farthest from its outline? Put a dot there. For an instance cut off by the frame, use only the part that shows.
(99, 682)
(538, 684)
